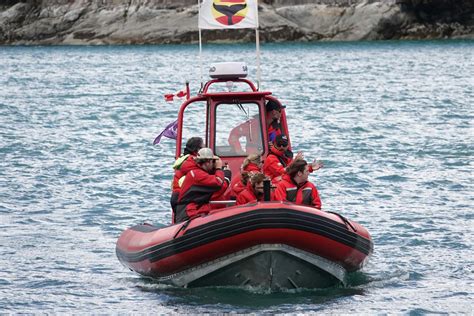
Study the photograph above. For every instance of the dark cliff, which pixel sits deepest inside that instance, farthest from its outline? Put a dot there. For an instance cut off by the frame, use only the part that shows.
(175, 21)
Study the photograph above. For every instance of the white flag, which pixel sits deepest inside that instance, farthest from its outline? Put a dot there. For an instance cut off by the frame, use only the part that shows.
(228, 14)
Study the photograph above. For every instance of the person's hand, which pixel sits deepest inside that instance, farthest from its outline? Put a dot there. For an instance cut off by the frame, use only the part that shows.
(218, 163)
(317, 165)
(299, 155)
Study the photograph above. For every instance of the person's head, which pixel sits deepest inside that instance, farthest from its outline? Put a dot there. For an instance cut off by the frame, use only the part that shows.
(273, 109)
(298, 170)
(193, 145)
(206, 160)
(252, 158)
(257, 183)
(281, 143)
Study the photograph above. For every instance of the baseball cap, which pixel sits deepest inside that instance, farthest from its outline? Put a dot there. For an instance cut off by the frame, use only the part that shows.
(205, 154)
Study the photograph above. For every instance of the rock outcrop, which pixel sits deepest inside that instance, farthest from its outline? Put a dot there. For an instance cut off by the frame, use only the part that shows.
(175, 21)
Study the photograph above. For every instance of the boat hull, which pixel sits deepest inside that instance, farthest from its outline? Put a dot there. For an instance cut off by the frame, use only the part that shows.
(271, 245)
(273, 267)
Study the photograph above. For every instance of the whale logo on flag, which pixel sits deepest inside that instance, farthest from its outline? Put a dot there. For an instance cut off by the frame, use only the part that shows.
(234, 14)
(229, 12)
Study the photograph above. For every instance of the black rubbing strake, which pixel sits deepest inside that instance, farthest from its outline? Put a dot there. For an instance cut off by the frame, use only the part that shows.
(245, 222)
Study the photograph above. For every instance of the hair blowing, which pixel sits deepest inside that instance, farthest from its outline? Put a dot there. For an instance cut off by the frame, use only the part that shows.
(295, 167)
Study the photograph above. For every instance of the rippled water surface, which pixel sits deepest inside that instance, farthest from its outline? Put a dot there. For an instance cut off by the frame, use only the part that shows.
(392, 121)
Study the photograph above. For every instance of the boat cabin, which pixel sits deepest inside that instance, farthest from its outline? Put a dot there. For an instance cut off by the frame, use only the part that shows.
(229, 114)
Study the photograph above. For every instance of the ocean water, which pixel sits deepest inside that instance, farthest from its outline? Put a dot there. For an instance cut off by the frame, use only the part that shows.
(392, 122)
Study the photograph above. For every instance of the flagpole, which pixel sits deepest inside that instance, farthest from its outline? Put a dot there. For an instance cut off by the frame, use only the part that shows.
(200, 44)
(200, 56)
(257, 43)
(208, 21)
(257, 40)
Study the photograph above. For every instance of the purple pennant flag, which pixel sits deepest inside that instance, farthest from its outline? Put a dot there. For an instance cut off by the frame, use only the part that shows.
(170, 131)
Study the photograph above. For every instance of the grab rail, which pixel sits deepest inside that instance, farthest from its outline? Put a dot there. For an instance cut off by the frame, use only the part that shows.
(211, 82)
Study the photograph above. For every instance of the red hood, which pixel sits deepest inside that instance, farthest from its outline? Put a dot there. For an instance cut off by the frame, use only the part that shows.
(188, 165)
(251, 167)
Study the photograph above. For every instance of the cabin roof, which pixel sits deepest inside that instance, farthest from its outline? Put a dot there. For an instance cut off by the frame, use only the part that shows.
(251, 94)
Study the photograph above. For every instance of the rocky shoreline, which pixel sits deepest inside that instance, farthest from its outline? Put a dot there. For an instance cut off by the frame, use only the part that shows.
(103, 22)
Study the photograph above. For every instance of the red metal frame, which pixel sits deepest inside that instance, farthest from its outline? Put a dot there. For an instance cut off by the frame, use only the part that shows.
(213, 100)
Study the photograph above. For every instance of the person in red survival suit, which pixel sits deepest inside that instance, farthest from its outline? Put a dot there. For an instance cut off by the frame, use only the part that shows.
(251, 130)
(280, 157)
(205, 182)
(251, 165)
(273, 110)
(181, 166)
(295, 187)
(254, 190)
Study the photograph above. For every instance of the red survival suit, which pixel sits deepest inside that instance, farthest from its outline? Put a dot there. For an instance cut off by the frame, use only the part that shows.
(274, 130)
(181, 166)
(303, 194)
(251, 131)
(199, 187)
(249, 196)
(275, 164)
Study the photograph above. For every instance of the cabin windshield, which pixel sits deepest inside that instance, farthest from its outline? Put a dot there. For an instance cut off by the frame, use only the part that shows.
(238, 129)
(194, 122)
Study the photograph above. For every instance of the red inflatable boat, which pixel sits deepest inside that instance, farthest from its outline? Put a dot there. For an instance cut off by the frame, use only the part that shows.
(273, 245)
